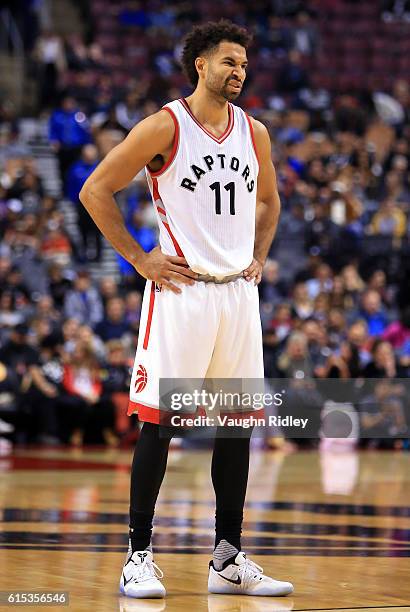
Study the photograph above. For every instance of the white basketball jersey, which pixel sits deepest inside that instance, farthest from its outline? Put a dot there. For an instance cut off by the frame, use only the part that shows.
(205, 195)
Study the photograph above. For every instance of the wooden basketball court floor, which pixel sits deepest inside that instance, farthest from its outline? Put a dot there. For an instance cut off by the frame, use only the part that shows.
(336, 525)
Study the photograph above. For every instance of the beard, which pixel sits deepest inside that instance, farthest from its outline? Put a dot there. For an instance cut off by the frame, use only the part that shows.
(222, 90)
(229, 94)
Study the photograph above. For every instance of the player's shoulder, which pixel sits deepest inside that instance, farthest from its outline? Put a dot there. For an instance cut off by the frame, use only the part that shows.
(163, 120)
(259, 128)
(159, 127)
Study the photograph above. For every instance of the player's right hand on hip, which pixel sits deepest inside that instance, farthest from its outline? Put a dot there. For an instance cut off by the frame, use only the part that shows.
(163, 269)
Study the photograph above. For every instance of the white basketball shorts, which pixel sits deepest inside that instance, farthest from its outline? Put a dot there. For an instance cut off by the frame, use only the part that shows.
(209, 330)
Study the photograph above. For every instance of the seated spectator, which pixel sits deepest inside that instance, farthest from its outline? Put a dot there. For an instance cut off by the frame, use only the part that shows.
(114, 325)
(19, 355)
(388, 221)
(281, 324)
(47, 209)
(373, 313)
(272, 289)
(59, 283)
(302, 304)
(82, 383)
(9, 405)
(85, 412)
(398, 332)
(378, 282)
(116, 378)
(383, 363)
(336, 326)
(133, 301)
(83, 301)
(46, 309)
(46, 391)
(358, 335)
(15, 285)
(321, 306)
(295, 361)
(108, 132)
(322, 281)
(342, 363)
(69, 331)
(275, 333)
(28, 188)
(40, 328)
(108, 288)
(395, 188)
(9, 316)
(22, 235)
(91, 341)
(128, 112)
(354, 284)
(321, 233)
(55, 246)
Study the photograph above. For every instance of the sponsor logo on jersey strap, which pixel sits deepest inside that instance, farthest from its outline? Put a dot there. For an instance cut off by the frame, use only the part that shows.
(141, 379)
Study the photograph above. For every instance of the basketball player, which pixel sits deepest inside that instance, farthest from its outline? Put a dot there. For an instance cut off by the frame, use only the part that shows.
(213, 185)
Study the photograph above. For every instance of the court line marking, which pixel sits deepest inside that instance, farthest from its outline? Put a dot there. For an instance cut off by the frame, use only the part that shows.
(349, 608)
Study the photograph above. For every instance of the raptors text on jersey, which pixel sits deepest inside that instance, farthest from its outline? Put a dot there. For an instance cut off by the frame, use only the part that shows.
(205, 195)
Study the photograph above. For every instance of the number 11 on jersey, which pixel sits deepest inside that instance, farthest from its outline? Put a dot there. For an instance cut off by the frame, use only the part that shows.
(216, 187)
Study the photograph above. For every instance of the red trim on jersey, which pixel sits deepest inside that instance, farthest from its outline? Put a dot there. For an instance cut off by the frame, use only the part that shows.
(229, 127)
(174, 146)
(155, 192)
(252, 137)
(149, 319)
(157, 196)
(174, 240)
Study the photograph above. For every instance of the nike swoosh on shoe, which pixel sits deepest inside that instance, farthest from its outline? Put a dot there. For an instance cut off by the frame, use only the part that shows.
(237, 581)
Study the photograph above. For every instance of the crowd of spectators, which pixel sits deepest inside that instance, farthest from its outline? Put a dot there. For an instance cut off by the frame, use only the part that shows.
(334, 294)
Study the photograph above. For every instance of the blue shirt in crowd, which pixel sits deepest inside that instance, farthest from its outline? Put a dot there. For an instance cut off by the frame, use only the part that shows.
(76, 177)
(69, 128)
(146, 238)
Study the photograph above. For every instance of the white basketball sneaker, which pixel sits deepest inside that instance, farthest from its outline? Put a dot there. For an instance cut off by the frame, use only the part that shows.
(244, 577)
(140, 576)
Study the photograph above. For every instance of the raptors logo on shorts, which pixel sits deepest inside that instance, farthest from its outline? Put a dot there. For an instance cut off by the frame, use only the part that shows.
(141, 379)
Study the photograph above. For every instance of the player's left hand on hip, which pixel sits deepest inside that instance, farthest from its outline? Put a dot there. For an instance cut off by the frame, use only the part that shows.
(254, 272)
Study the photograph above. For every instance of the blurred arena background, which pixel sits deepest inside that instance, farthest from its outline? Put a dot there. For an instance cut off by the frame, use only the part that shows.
(330, 80)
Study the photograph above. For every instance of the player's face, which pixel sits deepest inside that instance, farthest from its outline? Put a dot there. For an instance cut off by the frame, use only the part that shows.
(226, 70)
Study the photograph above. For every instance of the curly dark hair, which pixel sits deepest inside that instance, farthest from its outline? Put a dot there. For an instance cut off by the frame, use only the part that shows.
(204, 38)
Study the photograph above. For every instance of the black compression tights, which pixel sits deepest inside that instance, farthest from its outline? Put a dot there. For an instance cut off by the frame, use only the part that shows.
(229, 471)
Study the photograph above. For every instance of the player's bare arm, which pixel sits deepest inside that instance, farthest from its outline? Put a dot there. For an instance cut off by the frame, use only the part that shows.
(267, 203)
(149, 141)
